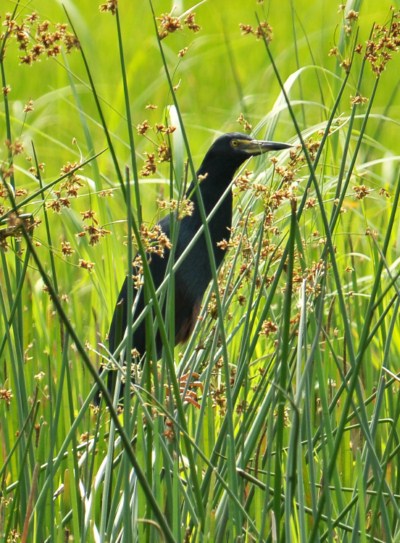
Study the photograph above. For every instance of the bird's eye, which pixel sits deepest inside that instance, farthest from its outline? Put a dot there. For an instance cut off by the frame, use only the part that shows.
(234, 143)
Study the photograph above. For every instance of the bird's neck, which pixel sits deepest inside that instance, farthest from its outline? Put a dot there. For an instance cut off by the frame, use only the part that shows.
(213, 181)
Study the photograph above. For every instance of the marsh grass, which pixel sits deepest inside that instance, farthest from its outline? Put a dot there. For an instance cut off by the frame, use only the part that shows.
(278, 420)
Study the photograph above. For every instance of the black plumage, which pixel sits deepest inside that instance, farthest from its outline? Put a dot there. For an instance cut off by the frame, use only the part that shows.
(216, 172)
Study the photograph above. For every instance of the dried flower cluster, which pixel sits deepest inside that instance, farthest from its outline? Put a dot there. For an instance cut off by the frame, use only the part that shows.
(150, 166)
(137, 276)
(6, 396)
(154, 240)
(163, 152)
(182, 52)
(189, 384)
(92, 229)
(66, 248)
(182, 208)
(86, 265)
(384, 41)
(350, 18)
(383, 192)
(13, 228)
(312, 276)
(218, 391)
(243, 181)
(12, 223)
(268, 328)
(158, 128)
(7, 168)
(37, 39)
(170, 24)
(110, 6)
(361, 191)
(244, 123)
(263, 30)
(68, 188)
(6, 172)
(358, 100)
(143, 127)
(15, 147)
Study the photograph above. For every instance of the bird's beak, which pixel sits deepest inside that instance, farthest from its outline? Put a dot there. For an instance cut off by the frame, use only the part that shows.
(258, 147)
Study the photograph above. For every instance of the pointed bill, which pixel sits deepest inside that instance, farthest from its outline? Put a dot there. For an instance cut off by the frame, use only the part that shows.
(258, 147)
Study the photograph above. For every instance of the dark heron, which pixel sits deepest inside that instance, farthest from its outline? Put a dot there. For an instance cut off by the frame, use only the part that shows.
(216, 172)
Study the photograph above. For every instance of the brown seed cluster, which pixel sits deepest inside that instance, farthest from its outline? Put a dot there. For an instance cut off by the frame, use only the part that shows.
(36, 171)
(150, 166)
(384, 42)
(350, 18)
(243, 182)
(358, 100)
(168, 24)
(143, 127)
(38, 39)
(312, 277)
(110, 6)
(13, 227)
(14, 536)
(244, 123)
(182, 208)
(15, 147)
(191, 24)
(164, 129)
(6, 396)
(163, 150)
(361, 191)
(346, 64)
(28, 107)
(218, 395)
(189, 384)
(86, 265)
(66, 248)
(378, 50)
(182, 52)
(268, 328)
(263, 30)
(383, 192)
(68, 188)
(137, 277)
(92, 228)
(155, 241)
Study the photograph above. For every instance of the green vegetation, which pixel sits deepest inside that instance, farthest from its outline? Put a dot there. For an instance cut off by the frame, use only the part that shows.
(279, 419)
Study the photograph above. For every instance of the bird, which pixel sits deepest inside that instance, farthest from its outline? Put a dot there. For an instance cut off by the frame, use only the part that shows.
(214, 176)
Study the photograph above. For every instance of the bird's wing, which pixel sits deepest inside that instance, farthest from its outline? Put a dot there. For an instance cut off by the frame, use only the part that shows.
(158, 266)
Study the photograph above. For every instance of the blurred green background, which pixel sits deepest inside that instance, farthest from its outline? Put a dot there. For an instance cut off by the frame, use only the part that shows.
(223, 74)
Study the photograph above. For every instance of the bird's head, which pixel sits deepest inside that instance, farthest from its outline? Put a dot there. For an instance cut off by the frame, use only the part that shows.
(234, 148)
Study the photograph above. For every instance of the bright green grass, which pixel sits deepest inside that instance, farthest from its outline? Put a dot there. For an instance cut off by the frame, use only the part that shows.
(294, 432)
